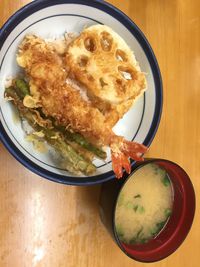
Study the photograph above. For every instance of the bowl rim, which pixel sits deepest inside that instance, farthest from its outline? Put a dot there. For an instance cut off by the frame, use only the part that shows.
(33, 7)
(178, 229)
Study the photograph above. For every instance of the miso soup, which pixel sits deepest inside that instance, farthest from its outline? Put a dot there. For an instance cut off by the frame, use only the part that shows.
(144, 205)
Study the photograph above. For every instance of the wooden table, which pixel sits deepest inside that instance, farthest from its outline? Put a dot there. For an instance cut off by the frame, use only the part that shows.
(52, 225)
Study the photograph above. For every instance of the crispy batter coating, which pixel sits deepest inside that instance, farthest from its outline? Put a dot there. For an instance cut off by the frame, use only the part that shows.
(101, 60)
(57, 98)
(73, 107)
(109, 94)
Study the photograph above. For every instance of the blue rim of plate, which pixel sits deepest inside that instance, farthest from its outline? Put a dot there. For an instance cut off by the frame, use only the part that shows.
(33, 7)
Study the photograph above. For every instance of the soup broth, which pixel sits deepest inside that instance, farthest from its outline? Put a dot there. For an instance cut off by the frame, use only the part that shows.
(144, 205)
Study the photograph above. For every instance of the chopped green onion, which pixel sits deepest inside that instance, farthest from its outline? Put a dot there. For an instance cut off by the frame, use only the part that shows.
(141, 209)
(154, 231)
(137, 196)
(129, 205)
(143, 241)
(168, 212)
(135, 208)
(160, 225)
(139, 232)
(166, 180)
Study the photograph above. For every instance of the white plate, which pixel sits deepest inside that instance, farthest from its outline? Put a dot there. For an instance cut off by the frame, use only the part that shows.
(51, 19)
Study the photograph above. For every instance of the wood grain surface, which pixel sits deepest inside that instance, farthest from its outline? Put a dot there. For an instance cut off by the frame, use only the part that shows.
(51, 225)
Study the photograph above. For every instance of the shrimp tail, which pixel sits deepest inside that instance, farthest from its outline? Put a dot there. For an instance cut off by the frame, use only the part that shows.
(122, 153)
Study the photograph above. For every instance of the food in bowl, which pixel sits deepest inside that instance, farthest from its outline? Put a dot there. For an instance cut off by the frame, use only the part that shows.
(144, 205)
(72, 93)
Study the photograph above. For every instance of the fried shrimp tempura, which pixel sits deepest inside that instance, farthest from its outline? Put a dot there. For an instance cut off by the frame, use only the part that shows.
(60, 100)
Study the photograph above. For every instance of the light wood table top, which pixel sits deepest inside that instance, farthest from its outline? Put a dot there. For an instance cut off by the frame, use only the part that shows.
(47, 224)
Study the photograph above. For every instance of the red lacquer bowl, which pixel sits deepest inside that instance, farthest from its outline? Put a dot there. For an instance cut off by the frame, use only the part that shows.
(177, 227)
